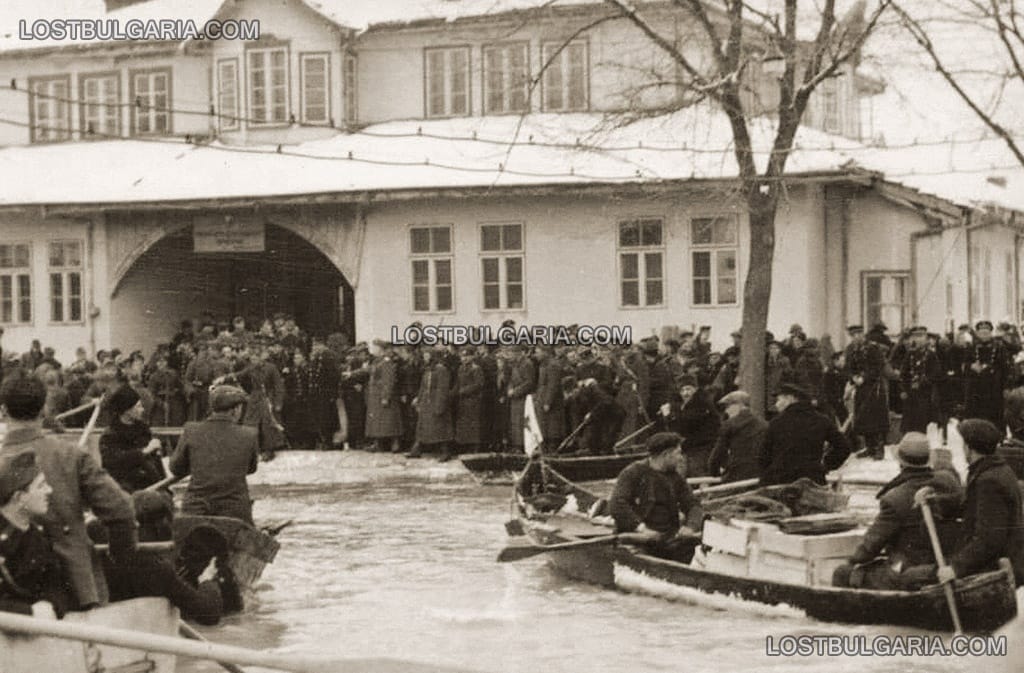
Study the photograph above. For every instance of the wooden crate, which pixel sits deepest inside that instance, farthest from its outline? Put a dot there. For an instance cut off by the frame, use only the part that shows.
(832, 545)
(727, 564)
(731, 538)
(779, 568)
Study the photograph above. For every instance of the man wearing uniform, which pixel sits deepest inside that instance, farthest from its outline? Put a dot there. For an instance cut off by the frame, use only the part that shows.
(218, 453)
(865, 361)
(920, 372)
(987, 368)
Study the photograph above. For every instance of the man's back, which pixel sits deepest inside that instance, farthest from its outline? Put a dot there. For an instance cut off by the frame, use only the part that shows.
(218, 453)
(794, 446)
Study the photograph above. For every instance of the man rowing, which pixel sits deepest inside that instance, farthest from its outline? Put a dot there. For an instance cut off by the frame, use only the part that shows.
(651, 493)
(127, 448)
(218, 453)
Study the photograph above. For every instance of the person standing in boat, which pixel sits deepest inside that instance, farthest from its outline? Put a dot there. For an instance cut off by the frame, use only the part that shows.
(649, 496)
(127, 447)
(735, 456)
(32, 580)
(78, 482)
(218, 453)
(898, 531)
(794, 445)
(991, 508)
(693, 415)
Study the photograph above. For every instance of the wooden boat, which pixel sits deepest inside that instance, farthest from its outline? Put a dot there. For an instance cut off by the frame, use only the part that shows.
(37, 654)
(986, 601)
(250, 548)
(502, 468)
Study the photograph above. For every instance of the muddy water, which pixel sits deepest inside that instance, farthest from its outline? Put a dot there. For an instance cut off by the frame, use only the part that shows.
(389, 557)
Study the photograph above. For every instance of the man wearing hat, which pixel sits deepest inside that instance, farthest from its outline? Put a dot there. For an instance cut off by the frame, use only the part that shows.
(434, 406)
(993, 526)
(800, 442)
(777, 368)
(127, 448)
(659, 375)
(33, 579)
(987, 370)
(692, 414)
(735, 456)
(652, 497)
(920, 372)
(898, 539)
(469, 393)
(218, 453)
(383, 408)
(78, 482)
(522, 381)
(865, 363)
(549, 401)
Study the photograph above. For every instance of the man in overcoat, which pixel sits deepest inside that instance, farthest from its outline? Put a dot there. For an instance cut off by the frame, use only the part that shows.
(383, 407)
(920, 372)
(800, 442)
(550, 401)
(987, 367)
(433, 405)
(469, 391)
(866, 363)
(735, 456)
(522, 381)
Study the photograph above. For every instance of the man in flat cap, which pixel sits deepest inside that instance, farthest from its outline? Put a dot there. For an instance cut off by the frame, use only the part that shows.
(800, 441)
(218, 453)
(865, 363)
(735, 456)
(993, 526)
(987, 367)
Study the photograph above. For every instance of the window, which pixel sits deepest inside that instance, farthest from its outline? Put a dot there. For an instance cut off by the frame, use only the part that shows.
(506, 78)
(350, 83)
(15, 283)
(66, 281)
(431, 251)
(49, 109)
(316, 88)
(227, 94)
(641, 262)
(502, 265)
(268, 85)
(565, 77)
(151, 97)
(830, 105)
(887, 299)
(715, 247)
(447, 75)
(100, 109)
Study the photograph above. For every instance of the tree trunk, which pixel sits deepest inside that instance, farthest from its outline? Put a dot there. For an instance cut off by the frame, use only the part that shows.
(757, 292)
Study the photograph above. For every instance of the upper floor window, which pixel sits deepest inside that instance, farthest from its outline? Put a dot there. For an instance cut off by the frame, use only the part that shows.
(100, 108)
(641, 262)
(15, 283)
(830, 115)
(430, 248)
(65, 281)
(227, 94)
(506, 78)
(151, 98)
(350, 90)
(715, 243)
(566, 77)
(268, 85)
(49, 108)
(447, 82)
(502, 265)
(316, 88)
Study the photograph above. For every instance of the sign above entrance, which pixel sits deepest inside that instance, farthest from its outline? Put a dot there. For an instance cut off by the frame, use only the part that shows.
(228, 233)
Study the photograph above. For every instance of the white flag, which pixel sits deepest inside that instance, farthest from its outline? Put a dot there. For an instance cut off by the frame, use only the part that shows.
(532, 439)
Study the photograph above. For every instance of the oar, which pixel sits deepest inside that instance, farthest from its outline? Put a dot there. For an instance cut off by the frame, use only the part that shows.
(729, 486)
(947, 587)
(572, 435)
(84, 440)
(167, 545)
(79, 408)
(520, 552)
(272, 531)
(148, 642)
(630, 436)
(188, 632)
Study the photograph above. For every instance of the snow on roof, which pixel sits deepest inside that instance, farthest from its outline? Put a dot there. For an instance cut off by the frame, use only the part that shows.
(412, 155)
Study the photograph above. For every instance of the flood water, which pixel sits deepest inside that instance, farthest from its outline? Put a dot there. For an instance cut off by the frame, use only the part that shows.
(390, 557)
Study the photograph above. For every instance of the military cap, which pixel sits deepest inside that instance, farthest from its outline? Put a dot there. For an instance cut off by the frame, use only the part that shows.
(121, 400)
(795, 328)
(919, 329)
(16, 473)
(983, 324)
(226, 396)
(735, 397)
(964, 328)
(914, 449)
(649, 345)
(796, 390)
(663, 441)
(672, 343)
(686, 380)
(980, 435)
(705, 328)
(685, 333)
(855, 329)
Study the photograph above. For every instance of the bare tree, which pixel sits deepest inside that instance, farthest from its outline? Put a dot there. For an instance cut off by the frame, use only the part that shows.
(1004, 20)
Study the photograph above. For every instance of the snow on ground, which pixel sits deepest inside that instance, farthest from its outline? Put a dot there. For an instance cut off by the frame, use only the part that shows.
(351, 467)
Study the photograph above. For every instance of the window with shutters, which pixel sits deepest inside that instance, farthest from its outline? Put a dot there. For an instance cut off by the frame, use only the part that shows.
(430, 249)
(49, 107)
(714, 243)
(501, 265)
(506, 78)
(566, 81)
(641, 262)
(100, 108)
(15, 283)
(65, 281)
(447, 82)
(227, 94)
(316, 88)
(151, 101)
(268, 85)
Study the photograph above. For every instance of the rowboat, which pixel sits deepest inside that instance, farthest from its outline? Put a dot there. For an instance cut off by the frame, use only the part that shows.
(35, 654)
(986, 601)
(502, 468)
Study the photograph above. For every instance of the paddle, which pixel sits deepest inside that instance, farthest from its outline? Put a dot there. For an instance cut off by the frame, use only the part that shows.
(947, 588)
(188, 632)
(84, 439)
(79, 408)
(572, 435)
(166, 545)
(630, 436)
(730, 486)
(148, 642)
(520, 552)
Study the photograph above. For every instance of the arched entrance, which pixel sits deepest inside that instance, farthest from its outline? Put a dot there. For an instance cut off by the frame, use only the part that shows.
(171, 282)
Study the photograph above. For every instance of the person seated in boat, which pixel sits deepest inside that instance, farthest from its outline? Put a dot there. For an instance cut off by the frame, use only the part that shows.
(127, 448)
(32, 578)
(735, 456)
(991, 508)
(800, 441)
(651, 493)
(898, 531)
(692, 414)
(218, 453)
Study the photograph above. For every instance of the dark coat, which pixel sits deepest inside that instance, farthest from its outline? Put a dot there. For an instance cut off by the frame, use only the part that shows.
(469, 391)
(871, 401)
(775, 372)
(655, 499)
(27, 558)
(920, 373)
(218, 453)
(265, 386)
(794, 446)
(522, 381)
(983, 389)
(383, 410)
(899, 528)
(736, 451)
(169, 394)
(78, 482)
(433, 404)
(121, 453)
(549, 396)
(697, 421)
(662, 385)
